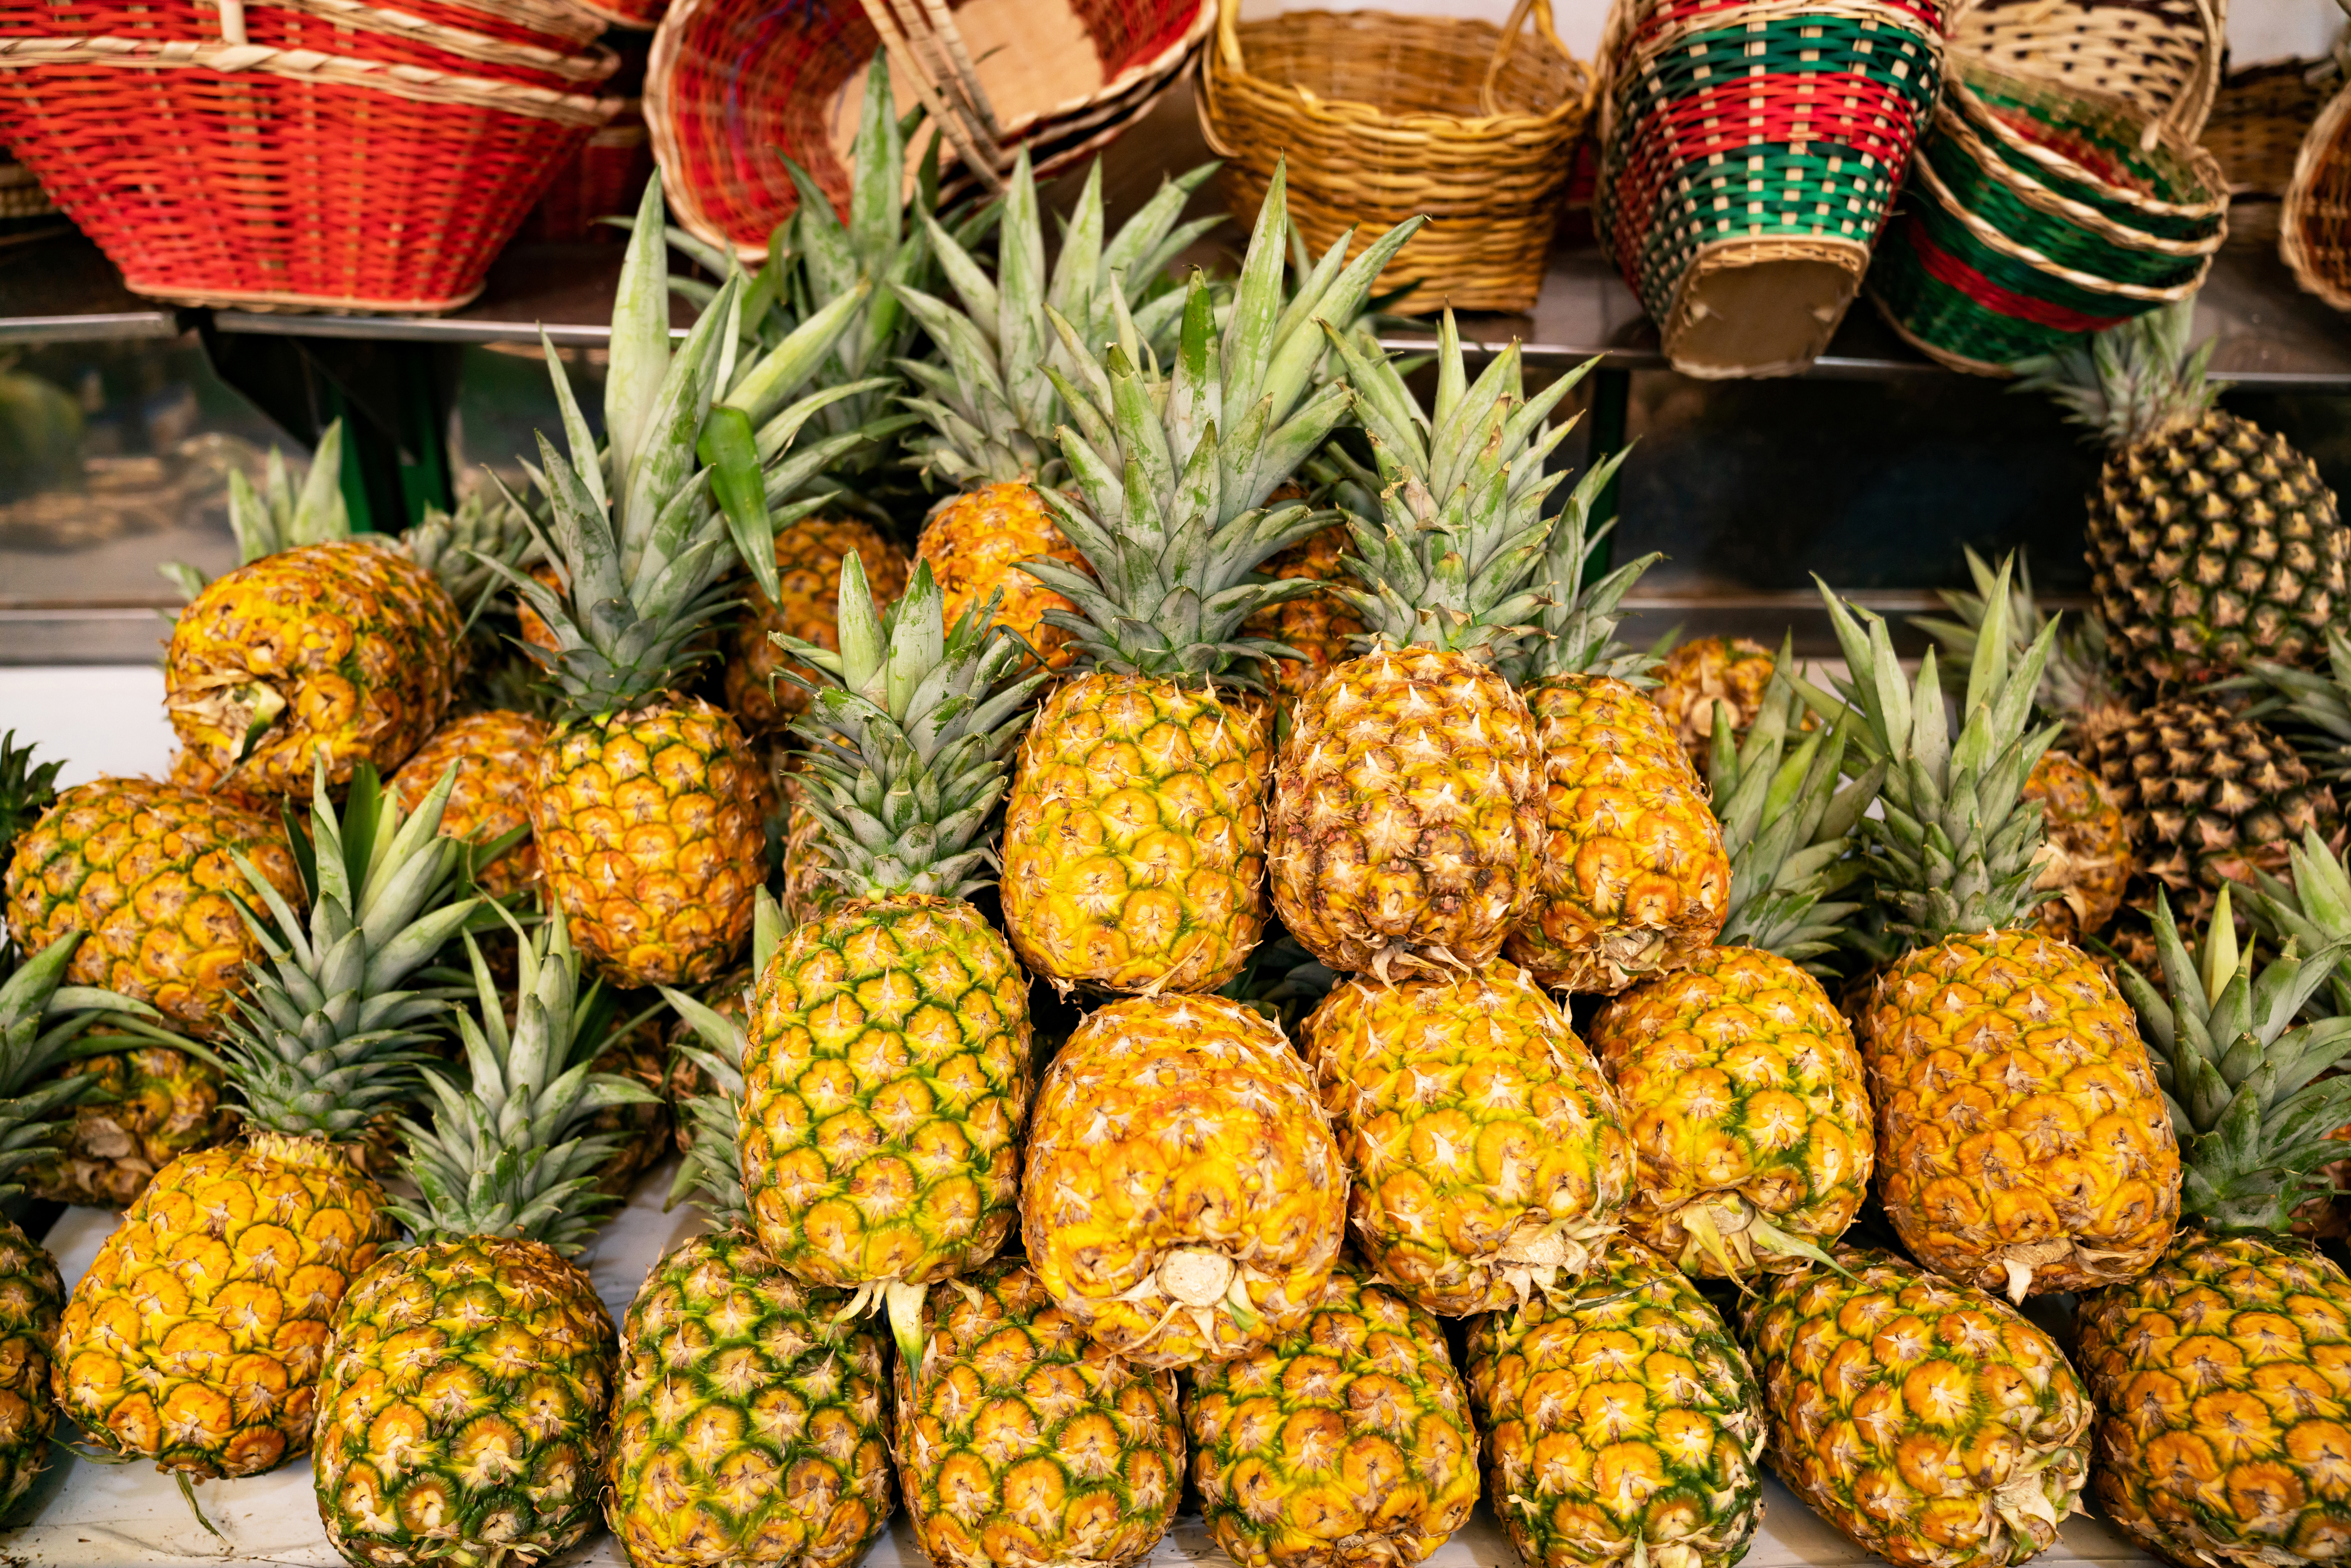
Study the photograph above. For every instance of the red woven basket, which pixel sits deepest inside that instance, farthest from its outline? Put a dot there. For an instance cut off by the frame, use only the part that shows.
(244, 174)
(734, 87)
(604, 179)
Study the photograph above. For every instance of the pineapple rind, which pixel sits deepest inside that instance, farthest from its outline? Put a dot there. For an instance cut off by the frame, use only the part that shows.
(751, 1428)
(496, 754)
(462, 1412)
(154, 1104)
(1347, 1442)
(974, 543)
(1487, 1154)
(1669, 1473)
(1928, 1422)
(808, 568)
(1176, 1142)
(1745, 1098)
(2087, 859)
(1708, 674)
(32, 1299)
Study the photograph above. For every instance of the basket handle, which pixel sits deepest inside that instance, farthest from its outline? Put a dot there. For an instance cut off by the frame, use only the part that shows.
(926, 45)
(1228, 35)
(2193, 105)
(1540, 10)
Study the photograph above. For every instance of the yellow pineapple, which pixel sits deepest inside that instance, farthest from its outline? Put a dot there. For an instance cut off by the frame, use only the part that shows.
(1707, 676)
(196, 1337)
(1183, 1200)
(1135, 831)
(152, 1103)
(2022, 1141)
(1487, 1154)
(1321, 628)
(808, 568)
(496, 754)
(2087, 860)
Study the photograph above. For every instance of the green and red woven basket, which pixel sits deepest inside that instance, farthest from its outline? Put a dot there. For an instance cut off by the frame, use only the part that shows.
(2039, 212)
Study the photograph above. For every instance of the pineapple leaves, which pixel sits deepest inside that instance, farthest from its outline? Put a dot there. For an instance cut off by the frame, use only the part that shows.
(640, 363)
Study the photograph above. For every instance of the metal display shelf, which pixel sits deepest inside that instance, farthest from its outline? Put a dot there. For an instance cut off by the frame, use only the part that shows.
(2272, 333)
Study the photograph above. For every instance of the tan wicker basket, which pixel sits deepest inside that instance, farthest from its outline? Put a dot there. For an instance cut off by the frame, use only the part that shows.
(1383, 117)
(2258, 123)
(2315, 228)
(2162, 54)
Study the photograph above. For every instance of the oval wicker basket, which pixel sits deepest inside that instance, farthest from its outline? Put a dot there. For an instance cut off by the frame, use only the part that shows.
(1383, 117)
(2315, 225)
(732, 90)
(2162, 54)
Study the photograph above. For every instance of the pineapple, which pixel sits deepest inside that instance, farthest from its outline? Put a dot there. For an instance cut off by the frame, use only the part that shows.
(888, 1073)
(808, 565)
(1745, 1098)
(324, 643)
(994, 409)
(1320, 628)
(1408, 811)
(2021, 1140)
(1347, 1442)
(1134, 830)
(749, 1427)
(2211, 542)
(196, 1337)
(646, 805)
(1930, 1424)
(2086, 854)
(1184, 1200)
(27, 790)
(1633, 878)
(2221, 1373)
(1022, 1445)
(1487, 1154)
(1708, 676)
(151, 871)
(40, 1017)
(1622, 1424)
(461, 1408)
(496, 754)
(152, 1103)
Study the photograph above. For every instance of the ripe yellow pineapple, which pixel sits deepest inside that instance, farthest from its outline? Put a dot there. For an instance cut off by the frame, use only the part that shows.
(1707, 676)
(1135, 831)
(1022, 1444)
(1183, 1200)
(2087, 860)
(150, 870)
(1321, 627)
(1930, 1424)
(808, 568)
(1348, 1441)
(153, 1104)
(1739, 1082)
(1487, 1156)
(2023, 1142)
(496, 754)
(1407, 804)
(195, 1338)
(901, 1000)
(1623, 1425)
(462, 1407)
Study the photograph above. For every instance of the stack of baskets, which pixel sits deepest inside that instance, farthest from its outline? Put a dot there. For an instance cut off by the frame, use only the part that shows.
(308, 154)
(2040, 211)
(1750, 150)
(734, 91)
(1383, 118)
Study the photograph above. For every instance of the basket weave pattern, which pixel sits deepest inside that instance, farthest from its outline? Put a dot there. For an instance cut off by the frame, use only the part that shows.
(2163, 56)
(1383, 117)
(604, 179)
(2315, 226)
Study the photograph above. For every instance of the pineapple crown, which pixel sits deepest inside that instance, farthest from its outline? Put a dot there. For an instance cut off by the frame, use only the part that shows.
(992, 406)
(639, 533)
(1175, 468)
(713, 1166)
(1451, 559)
(2136, 378)
(280, 517)
(452, 546)
(499, 1158)
(42, 1021)
(2239, 1075)
(1576, 613)
(2318, 703)
(1954, 849)
(907, 756)
(2310, 907)
(26, 789)
(2077, 684)
(328, 1035)
(1787, 826)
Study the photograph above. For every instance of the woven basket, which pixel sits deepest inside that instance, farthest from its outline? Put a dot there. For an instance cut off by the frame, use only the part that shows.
(2162, 54)
(21, 196)
(2256, 130)
(604, 179)
(2315, 225)
(732, 90)
(2039, 212)
(222, 174)
(1383, 117)
(1751, 151)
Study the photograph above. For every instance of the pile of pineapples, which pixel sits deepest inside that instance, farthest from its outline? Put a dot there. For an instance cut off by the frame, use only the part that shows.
(1264, 701)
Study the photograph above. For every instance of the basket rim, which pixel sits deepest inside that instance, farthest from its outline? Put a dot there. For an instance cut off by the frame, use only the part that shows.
(1943, 357)
(2056, 205)
(2325, 133)
(587, 63)
(2173, 141)
(2017, 250)
(419, 84)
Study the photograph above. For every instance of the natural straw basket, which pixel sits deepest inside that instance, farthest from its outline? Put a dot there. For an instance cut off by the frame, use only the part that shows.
(1383, 117)
(237, 173)
(2315, 226)
(735, 89)
(2162, 54)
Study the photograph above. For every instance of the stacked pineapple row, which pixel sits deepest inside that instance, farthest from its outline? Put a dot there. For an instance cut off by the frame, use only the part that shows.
(1284, 704)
